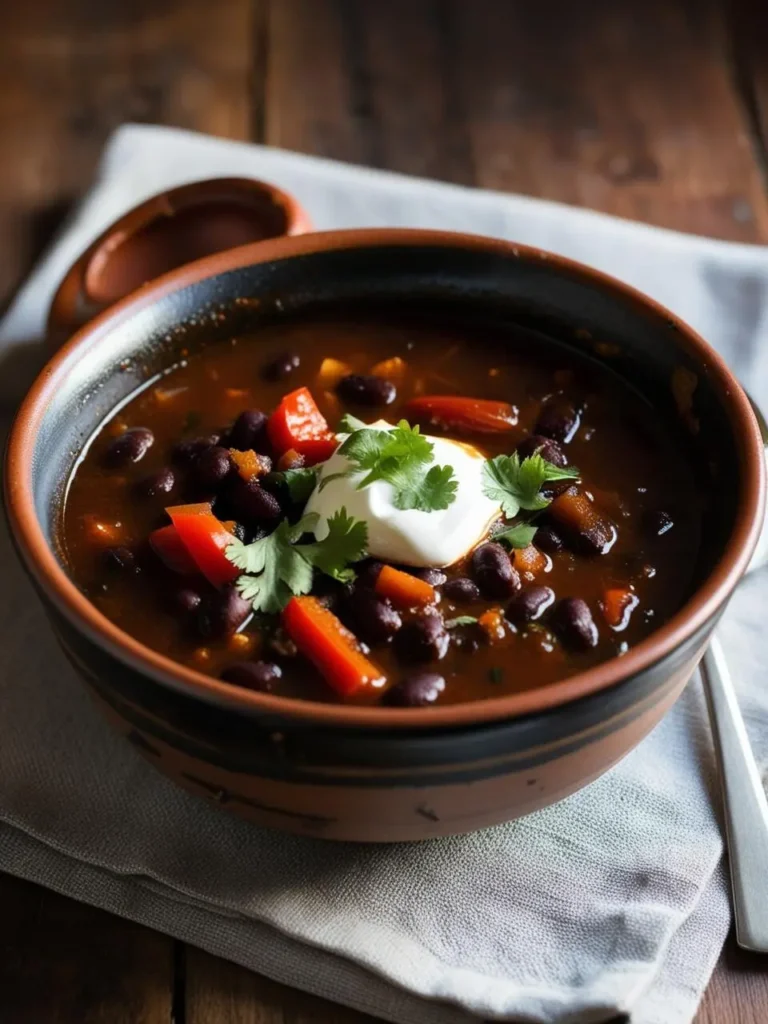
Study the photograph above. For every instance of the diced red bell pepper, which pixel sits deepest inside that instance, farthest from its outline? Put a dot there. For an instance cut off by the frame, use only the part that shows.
(206, 539)
(329, 645)
(452, 412)
(297, 423)
(168, 546)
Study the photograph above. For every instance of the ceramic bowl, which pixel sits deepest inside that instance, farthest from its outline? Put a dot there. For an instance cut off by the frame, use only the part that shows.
(165, 232)
(374, 773)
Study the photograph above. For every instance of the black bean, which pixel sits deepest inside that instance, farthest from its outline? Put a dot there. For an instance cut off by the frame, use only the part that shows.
(222, 613)
(366, 389)
(253, 675)
(282, 366)
(253, 503)
(530, 604)
(548, 449)
(374, 620)
(461, 590)
(558, 419)
(551, 489)
(119, 559)
(212, 467)
(574, 624)
(549, 540)
(249, 431)
(434, 577)
(494, 572)
(422, 639)
(161, 482)
(131, 446)
(185, 452)
(185, 600)
(368, 572)
(656, 522)
(418, 690)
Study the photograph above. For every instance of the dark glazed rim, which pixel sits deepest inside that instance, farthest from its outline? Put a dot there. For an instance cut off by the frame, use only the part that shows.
(60, 589)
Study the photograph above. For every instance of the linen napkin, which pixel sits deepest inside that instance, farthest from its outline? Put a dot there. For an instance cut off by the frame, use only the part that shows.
(613, 901)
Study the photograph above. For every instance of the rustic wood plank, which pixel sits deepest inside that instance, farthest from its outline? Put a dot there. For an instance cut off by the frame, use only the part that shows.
(626, 108)
(71, 71)
(381, 83)
(748, 54)
(738, 992)
(223, 993)
(62, 961)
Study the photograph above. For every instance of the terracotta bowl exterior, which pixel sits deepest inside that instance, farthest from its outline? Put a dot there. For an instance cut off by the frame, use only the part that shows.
(168, 230)
(375, 774)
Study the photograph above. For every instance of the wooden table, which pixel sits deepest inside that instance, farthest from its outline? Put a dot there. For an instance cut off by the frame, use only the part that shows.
(652, 109)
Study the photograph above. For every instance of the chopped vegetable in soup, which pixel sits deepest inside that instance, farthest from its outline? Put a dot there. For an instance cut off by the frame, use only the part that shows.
(383, 512)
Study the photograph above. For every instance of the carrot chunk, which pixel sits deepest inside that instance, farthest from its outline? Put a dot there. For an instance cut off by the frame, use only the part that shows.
(402, 589)
(583, 524)
(452, 412)
(492, 624)
(250, 464)
(529, 561)
(617, 604)
(330, 646)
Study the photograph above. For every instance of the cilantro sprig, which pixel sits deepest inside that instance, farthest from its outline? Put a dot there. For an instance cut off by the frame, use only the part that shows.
(517, 484)
(518, 536)
(400, 457)
(277, 567)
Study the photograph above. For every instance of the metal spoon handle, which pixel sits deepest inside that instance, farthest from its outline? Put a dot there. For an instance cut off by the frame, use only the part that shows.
(746, 807)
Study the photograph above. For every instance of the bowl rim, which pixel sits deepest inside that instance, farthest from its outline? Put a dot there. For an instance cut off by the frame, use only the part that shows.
(42, 564)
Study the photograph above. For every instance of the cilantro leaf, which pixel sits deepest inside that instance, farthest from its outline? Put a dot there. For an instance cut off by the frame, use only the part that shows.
(400, 457)
(517, 485)
(436, 490)
(274, 569)
(518, 536)
(300, 483)
(277, 567)
(348, 424)
(460, 620)
(347, 541)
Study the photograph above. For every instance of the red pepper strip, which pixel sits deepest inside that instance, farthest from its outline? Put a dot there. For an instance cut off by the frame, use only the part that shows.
(451, 412)
(331, 648)
(297, 423)
(402, 589)
(618, 604)
(206, 540)
(168, 546)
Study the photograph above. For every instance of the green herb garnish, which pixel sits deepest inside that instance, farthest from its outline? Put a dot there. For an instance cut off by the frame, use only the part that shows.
(348, 424)
(400, 457)
(460, 620)
(517, 485)
(300, 483)
(277, 567)
(518, 536)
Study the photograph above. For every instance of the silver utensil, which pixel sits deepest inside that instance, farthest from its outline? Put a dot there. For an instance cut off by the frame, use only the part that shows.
(744, 798)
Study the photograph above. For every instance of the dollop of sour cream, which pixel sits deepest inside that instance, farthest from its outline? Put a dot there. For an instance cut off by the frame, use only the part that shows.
(433, 539)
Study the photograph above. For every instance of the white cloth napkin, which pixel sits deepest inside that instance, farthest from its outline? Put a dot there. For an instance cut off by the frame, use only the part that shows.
(613, 901)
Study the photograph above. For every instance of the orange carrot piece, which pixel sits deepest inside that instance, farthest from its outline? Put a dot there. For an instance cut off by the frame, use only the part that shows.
(585, 524)
(492, 624)
(454, 412)
(250, 464)
(529, 561)
(618, 604)
(402, 589)
(330, 646)
(393, 369)
(290, 460)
